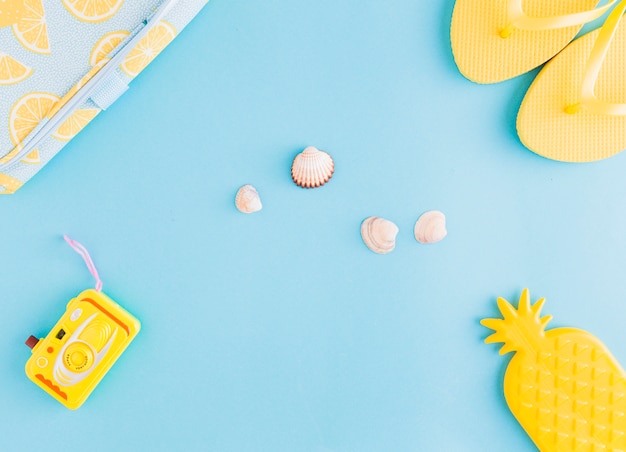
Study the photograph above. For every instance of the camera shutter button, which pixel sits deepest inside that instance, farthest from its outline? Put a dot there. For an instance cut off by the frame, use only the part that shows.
(32, 341)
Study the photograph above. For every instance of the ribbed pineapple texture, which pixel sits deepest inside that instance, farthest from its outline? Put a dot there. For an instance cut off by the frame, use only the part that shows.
(563, 385)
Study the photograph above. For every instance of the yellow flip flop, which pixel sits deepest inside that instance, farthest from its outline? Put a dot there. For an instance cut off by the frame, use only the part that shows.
(496, 40)
(575, 110)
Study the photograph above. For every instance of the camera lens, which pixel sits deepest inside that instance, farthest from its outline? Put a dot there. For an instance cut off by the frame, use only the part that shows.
(78, 357)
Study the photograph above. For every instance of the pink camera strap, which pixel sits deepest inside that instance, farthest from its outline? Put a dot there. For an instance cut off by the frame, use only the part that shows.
(80, 249)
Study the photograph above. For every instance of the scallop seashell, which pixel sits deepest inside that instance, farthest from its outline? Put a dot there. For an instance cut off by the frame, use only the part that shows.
(431, 227)
(312, 168)
(379, 234)
(248, 200)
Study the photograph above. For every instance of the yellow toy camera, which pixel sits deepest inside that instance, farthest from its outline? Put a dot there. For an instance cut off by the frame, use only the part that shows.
(92, 334)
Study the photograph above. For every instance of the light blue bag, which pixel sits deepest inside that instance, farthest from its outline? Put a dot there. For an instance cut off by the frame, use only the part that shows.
(64, 61)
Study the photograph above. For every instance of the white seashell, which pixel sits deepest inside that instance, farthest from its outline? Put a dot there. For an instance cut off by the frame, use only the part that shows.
(248, 200)
(379, 234)
(312, 168)
(431, 227)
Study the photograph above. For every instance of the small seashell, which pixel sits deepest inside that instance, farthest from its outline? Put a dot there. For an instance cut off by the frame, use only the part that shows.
(431, 227)
(248, 200)
(379, 234)
(312, 168)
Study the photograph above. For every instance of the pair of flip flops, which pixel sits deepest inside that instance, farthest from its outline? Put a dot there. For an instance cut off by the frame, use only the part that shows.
(575, 110)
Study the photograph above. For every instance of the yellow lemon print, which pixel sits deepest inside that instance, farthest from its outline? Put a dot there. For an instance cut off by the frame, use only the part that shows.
(75, 123)
(11, 11)
(32, 157)
(148, 48)
(12, 71)
(10, 184)
(106, 45)
(31, 29)
(28, 112)
(10, 155)
(93, 10)
(25, 115)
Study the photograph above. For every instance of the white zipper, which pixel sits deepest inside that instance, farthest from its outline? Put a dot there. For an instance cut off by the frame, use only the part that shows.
(47, 126)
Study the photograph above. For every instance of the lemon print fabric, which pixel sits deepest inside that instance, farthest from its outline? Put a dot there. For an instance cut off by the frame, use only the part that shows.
(75, 123)
(49, 51)
(496, 40)
(563, 385)
(106, 45)
(25, 115)
(8, 184)
(31, 30)
(11, 11)
(32, 157)
(93, 10)
(28, 112)
(148, 48)
(12, 71)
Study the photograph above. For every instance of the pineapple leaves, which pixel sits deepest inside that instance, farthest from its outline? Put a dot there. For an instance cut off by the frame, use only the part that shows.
(545, 320)
(517, 327)
(492, 324)
(524, 302)
(538, 306)
(506, 308)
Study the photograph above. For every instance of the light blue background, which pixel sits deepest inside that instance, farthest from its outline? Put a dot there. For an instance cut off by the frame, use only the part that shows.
(281, 330)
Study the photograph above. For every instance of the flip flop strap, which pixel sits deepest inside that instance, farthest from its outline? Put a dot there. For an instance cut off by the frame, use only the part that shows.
(519, 19)
(588, 99)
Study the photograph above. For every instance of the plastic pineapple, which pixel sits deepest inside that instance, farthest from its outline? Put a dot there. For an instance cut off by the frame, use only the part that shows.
(563, 385)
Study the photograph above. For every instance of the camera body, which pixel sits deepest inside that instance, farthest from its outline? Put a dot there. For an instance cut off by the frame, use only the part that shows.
(86, 341)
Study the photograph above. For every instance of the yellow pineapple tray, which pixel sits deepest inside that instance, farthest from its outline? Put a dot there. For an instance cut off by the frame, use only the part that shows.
(563, 385)
(62, 62)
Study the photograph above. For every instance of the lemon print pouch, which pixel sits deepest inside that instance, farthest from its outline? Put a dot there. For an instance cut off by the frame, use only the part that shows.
(62, 62)
(86, 341)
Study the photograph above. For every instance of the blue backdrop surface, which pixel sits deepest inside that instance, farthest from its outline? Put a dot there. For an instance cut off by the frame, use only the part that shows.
(281, 331)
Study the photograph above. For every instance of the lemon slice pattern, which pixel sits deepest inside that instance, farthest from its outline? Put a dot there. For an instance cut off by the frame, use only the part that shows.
(32, 157)
(93, 10)
(106, 45)
(75, 123)
(28, 112)
(10, 184)
(29, 98)
(12, 71)
(31, 29)
(25, 115)
(11, 12)
(148, 48)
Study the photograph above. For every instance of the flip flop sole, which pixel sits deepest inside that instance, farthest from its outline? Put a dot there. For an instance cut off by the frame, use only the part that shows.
(483, 56)
(542, 123)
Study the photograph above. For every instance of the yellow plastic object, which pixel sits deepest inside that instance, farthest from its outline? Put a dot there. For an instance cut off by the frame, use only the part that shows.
(496, 40)
(574, 111)
(563, 385)
(92, 334)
